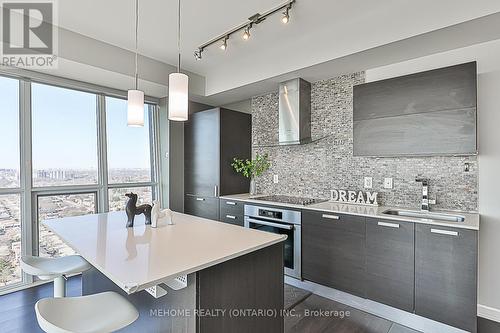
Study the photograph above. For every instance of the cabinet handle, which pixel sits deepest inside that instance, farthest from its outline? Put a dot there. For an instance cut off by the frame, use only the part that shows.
(232, 217)
(389, 225)
(444, 232)
(232, 203)
(216, 191)
(200, 199)
(331, 217)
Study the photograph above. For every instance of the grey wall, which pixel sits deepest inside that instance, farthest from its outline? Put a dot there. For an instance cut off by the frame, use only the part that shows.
(316, 168)
(242, 106)
(175, 161)
(489, 199)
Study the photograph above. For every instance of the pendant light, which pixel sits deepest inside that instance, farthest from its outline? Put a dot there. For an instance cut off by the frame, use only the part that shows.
(135, 103)
(178, 83)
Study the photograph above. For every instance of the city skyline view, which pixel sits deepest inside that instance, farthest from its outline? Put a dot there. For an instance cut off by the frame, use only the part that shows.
(56, 206)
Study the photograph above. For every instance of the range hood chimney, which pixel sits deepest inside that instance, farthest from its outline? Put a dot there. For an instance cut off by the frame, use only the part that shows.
(294, 112)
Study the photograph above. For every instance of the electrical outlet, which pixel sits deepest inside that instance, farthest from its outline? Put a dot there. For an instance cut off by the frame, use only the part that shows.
(388, 183)
(275, 179)
(368, 182)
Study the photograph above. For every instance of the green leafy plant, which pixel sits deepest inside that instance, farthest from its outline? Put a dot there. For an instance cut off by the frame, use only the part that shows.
(251, 168)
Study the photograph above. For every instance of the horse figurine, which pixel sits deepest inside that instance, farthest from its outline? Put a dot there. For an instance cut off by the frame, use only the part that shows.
(133, 210)
(157, 213)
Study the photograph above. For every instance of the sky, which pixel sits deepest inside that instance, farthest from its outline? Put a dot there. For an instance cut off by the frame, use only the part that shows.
(64, 130)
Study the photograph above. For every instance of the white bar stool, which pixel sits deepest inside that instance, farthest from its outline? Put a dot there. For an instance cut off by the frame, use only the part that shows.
(54, 268)
(98, 313)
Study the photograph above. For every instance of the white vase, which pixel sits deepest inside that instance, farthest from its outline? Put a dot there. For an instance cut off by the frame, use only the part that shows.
(253, 189)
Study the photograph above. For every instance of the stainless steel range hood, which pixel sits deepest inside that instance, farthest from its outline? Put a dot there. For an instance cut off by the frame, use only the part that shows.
(294, 112)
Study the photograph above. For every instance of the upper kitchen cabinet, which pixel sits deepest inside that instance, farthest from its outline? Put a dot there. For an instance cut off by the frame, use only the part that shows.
(212, 138)
(428, 113)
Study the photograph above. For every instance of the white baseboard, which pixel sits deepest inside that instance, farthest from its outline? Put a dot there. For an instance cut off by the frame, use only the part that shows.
(488, 312)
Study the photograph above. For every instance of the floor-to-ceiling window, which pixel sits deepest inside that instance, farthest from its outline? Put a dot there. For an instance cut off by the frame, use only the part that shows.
(65, 152)
(10, 185)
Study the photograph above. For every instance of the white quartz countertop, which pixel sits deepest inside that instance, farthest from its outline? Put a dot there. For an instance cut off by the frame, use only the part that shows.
(471, 220)
(140, 257)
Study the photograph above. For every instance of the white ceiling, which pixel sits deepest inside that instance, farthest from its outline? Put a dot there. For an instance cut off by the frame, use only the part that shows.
(319, 31)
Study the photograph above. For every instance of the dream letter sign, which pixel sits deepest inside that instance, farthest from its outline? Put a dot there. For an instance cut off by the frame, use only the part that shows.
(353, 197)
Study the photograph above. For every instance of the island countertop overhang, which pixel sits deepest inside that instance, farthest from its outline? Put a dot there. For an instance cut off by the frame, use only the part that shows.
(141, 257)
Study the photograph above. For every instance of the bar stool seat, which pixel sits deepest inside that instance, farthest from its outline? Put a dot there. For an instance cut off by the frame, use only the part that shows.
(49, 268)
(54, 269)
(98, 313)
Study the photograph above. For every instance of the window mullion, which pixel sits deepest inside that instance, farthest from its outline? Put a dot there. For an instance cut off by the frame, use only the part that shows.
(155, 151)
(103, 194)
(28, 222)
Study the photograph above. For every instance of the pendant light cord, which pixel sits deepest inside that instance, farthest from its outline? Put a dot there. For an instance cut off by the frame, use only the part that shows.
(136, 42)
(179, 36)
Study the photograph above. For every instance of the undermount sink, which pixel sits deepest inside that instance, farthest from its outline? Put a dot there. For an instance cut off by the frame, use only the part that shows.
(425, 215)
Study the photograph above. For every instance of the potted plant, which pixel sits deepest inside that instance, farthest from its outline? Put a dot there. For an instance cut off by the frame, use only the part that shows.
(251, 168)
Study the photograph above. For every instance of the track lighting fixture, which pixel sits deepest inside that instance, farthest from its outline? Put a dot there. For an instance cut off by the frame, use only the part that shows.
(286, 16)
(223, 46)
(246, 34)
(255, 19)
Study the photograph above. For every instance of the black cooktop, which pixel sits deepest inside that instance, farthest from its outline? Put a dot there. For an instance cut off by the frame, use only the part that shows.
(286, 199)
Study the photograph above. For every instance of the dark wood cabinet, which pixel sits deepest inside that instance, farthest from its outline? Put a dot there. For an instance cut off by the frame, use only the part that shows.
(333, 250)
(390, 261)
(446, 275)
(212, 138)
(426, 269)
(207, 207)
(231, 211)
(427, 113)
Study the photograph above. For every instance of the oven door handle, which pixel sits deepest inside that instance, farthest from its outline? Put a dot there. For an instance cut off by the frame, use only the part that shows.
(271, 224)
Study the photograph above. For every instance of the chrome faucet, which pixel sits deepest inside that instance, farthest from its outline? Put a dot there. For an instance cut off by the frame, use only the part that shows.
(425, 194)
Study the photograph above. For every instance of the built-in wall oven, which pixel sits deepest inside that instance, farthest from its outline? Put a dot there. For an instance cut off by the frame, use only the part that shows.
(279, 221)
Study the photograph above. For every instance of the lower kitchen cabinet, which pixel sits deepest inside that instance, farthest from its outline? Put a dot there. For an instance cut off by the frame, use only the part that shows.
(207, 207)
(231, 211)
(333, 250)
(446, 275)
(232, 219)
(390, 262)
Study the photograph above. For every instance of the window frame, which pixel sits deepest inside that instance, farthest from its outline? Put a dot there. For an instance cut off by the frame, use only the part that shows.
(29, 194)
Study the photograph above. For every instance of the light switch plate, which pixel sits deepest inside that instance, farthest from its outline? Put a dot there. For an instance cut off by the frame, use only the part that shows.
(388, 183)
(275, 179)
(368, 182)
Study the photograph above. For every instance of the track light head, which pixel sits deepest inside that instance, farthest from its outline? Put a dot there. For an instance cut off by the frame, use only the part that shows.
(246, 33)
(197, 54)
(286, 16)
(223, 46)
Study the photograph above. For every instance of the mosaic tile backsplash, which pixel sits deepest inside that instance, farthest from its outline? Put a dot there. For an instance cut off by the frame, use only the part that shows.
(313, 169)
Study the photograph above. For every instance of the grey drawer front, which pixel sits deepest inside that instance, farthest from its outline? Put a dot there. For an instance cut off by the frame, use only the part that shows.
(348, 223)
(333, 252)
(232, 219)
(232, 207)
(446, 275)
(206, 207)
(390, 264)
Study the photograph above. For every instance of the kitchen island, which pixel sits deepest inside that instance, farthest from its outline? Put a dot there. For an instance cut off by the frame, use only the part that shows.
(196, 275)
